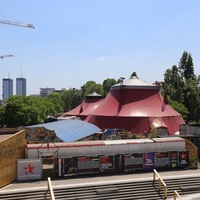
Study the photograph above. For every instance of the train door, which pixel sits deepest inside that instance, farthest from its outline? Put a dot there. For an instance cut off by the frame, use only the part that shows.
(48, 167)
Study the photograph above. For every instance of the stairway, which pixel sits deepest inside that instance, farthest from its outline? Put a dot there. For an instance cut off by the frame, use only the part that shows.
(139, 190)
(131, 190)
(26, 195)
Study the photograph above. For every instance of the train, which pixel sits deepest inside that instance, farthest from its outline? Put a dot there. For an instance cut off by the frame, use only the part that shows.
(104, 147)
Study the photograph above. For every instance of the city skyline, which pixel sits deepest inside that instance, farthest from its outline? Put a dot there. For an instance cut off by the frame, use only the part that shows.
(7, 87)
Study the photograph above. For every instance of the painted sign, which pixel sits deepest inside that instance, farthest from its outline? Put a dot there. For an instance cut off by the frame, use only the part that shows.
(183, 158)
(29, 169)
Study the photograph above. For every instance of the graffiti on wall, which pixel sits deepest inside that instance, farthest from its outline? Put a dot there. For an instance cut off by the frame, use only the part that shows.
(39, 134)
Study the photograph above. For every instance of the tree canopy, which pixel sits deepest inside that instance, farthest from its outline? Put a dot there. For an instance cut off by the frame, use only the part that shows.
(182, 86)
(24, 111)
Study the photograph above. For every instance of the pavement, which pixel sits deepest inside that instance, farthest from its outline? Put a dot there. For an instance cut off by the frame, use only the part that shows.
(101, 179)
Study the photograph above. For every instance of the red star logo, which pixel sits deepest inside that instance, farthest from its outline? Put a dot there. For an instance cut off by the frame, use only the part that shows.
(183, 156)
(29, 169)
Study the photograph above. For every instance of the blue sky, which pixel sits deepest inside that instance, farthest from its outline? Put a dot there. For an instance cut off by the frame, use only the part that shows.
(75, 41)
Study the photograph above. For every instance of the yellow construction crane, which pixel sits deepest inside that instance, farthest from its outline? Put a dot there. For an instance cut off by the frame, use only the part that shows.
(3, 56)
(16, 23)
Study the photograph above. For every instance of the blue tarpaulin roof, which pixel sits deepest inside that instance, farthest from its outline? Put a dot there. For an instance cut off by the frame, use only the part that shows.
(70, 130)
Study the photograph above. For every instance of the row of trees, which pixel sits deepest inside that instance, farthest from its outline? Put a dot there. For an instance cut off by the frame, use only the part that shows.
(29, 110)
(181, 86)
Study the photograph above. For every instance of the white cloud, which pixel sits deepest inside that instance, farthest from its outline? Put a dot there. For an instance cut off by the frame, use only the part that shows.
(101, 58)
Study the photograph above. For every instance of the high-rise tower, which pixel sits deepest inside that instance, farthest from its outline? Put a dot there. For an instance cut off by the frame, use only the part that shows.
(7, 88)
(21, 86)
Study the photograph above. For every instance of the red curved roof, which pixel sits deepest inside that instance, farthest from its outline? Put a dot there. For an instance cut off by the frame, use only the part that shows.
(134, 105)
(91, 102)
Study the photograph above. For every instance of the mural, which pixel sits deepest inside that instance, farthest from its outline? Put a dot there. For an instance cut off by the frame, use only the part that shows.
(29, 169)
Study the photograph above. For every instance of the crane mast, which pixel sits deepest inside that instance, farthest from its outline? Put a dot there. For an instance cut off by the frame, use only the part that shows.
(17, 24)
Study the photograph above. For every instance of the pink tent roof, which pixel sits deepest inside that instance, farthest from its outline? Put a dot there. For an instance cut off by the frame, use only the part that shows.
(91, 102)
(134, 105)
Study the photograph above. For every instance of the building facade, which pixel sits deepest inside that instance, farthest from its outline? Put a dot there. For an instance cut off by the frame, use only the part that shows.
(45, 91)
(7, 88)
(21, 86)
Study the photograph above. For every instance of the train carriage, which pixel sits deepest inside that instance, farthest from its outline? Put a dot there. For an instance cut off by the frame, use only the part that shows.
(107, 147)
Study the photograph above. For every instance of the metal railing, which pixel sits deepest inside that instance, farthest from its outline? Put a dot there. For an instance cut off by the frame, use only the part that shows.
(160, 182)
(176, 194)
(50, 188)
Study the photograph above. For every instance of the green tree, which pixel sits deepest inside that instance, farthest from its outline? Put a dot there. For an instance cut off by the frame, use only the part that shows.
(57, 103)
(186, 66)
(173, 84)
(190, 88)
(71, 98)
(134, 74)
(92, 86)
(16, 112)
(179, 107)
(2, 111)
(192, 99)
(182, 86)
(24, 111)
(107, 83)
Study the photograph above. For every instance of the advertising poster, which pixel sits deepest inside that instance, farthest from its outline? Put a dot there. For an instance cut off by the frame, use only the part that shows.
(70, 166)
(133, 162)
(183, 159)
(119, 163)
(173, 159)
(148, 161)
(88, 165)
(59, 172)
(161, 160)
(106, 164)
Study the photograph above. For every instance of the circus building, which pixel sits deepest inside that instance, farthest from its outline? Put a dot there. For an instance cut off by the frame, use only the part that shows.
(136, 106)
(91, 102)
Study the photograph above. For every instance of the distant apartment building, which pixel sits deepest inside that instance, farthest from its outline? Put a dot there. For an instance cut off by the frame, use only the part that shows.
(21, 86)
(7, 88)
(60, 91)
(44, 92)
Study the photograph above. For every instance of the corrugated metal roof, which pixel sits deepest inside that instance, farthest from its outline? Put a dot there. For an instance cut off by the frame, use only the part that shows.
(70, 130)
